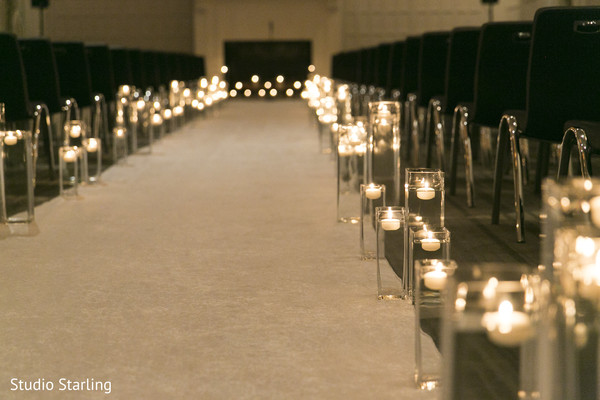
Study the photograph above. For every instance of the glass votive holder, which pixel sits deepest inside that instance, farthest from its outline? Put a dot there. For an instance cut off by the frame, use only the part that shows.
(569, 350)
(120, 144)
(17, 175)
(431, 278)
(570, 202)
(489, 333)
(349, 142)
(383, 148)
(68, 170)
(424, 194)
(426, 243)
(414, 223)
(93, 147)
(371, 196)
(389, 222)
(75, 135)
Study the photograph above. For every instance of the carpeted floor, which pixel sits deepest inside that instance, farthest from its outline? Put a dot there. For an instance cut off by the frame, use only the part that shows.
(212, 269)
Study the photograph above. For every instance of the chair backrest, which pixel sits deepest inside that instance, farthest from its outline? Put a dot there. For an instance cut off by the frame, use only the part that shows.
(122, 67)
(396, 63)
(365, 66)
(410, 66)
(460, 70)
(101, 70)
(41, 72)
(564, 70)
(501, 70)
(13, 83)
(151, 69)
(163, 67)
(432, 65)
(175, 61)
(137, 69)
(382, 77)
(73, 71)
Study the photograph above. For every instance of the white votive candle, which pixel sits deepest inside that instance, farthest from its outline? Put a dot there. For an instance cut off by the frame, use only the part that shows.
(75, 131)
(70, 155)
(426, 193)
(373, 192)
(430, 244)
(92, 145)
(507, 327)
(436, 279)
(10, 140)
(390, 224)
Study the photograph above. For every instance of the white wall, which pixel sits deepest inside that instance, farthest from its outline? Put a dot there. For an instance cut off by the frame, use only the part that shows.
(216, 21)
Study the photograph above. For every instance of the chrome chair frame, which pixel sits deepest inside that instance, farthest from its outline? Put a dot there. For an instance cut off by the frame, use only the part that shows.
(509, 130)
(412, 128)
(434, 133)
(460, 132)
(575, 136)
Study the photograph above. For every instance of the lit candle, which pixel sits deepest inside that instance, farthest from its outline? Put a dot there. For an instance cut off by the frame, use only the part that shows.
(70, 155)
(390, 223)
(119, 132)
(507, 327)
(10, 139)
(345, 149)
(426, 192)
(75, 131)
(92, 145)
(436, 279)
(373, 192)
(430, 244)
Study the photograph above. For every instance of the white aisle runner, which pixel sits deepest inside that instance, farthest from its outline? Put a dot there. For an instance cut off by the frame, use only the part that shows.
(212, 269)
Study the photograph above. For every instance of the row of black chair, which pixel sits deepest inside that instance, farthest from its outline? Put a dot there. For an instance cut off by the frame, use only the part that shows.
(42, 77)
(545, 69)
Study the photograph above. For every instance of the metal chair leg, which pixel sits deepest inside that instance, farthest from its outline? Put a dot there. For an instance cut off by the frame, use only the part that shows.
(439, 129)
(456, 120)
(507, 123)
(41, 112)
(577, 136)
(429, 126)
(518, 184)
(413, 128)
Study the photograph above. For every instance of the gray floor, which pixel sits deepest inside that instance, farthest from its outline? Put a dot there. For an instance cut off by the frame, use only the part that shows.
(213, 269)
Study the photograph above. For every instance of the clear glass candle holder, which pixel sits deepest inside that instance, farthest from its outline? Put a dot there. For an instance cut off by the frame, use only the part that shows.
(389, 224)
(383, 147)
(489, 333)
(371, 196)
(68, 170)
(414, 223)
(571, 322)
(570, 202)
(93, 150)
(431, 278)
(424, 194)
(17, 175)
(120, 151)
(75, 135)
(350, 142)
(426, 243)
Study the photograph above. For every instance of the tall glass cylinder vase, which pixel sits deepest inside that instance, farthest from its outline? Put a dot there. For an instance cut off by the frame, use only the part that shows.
(371, 196)
(489, 333)
(389, 224)
(572, 316)
(16, 176)
(68, 171)
(350, 148)
(119, 140)
(75, 135)
(431, 279)
(383, 148)
(429, 242)
(424, 195)
(567, 203)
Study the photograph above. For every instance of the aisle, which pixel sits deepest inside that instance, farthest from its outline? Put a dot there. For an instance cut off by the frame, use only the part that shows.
(213, 269)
